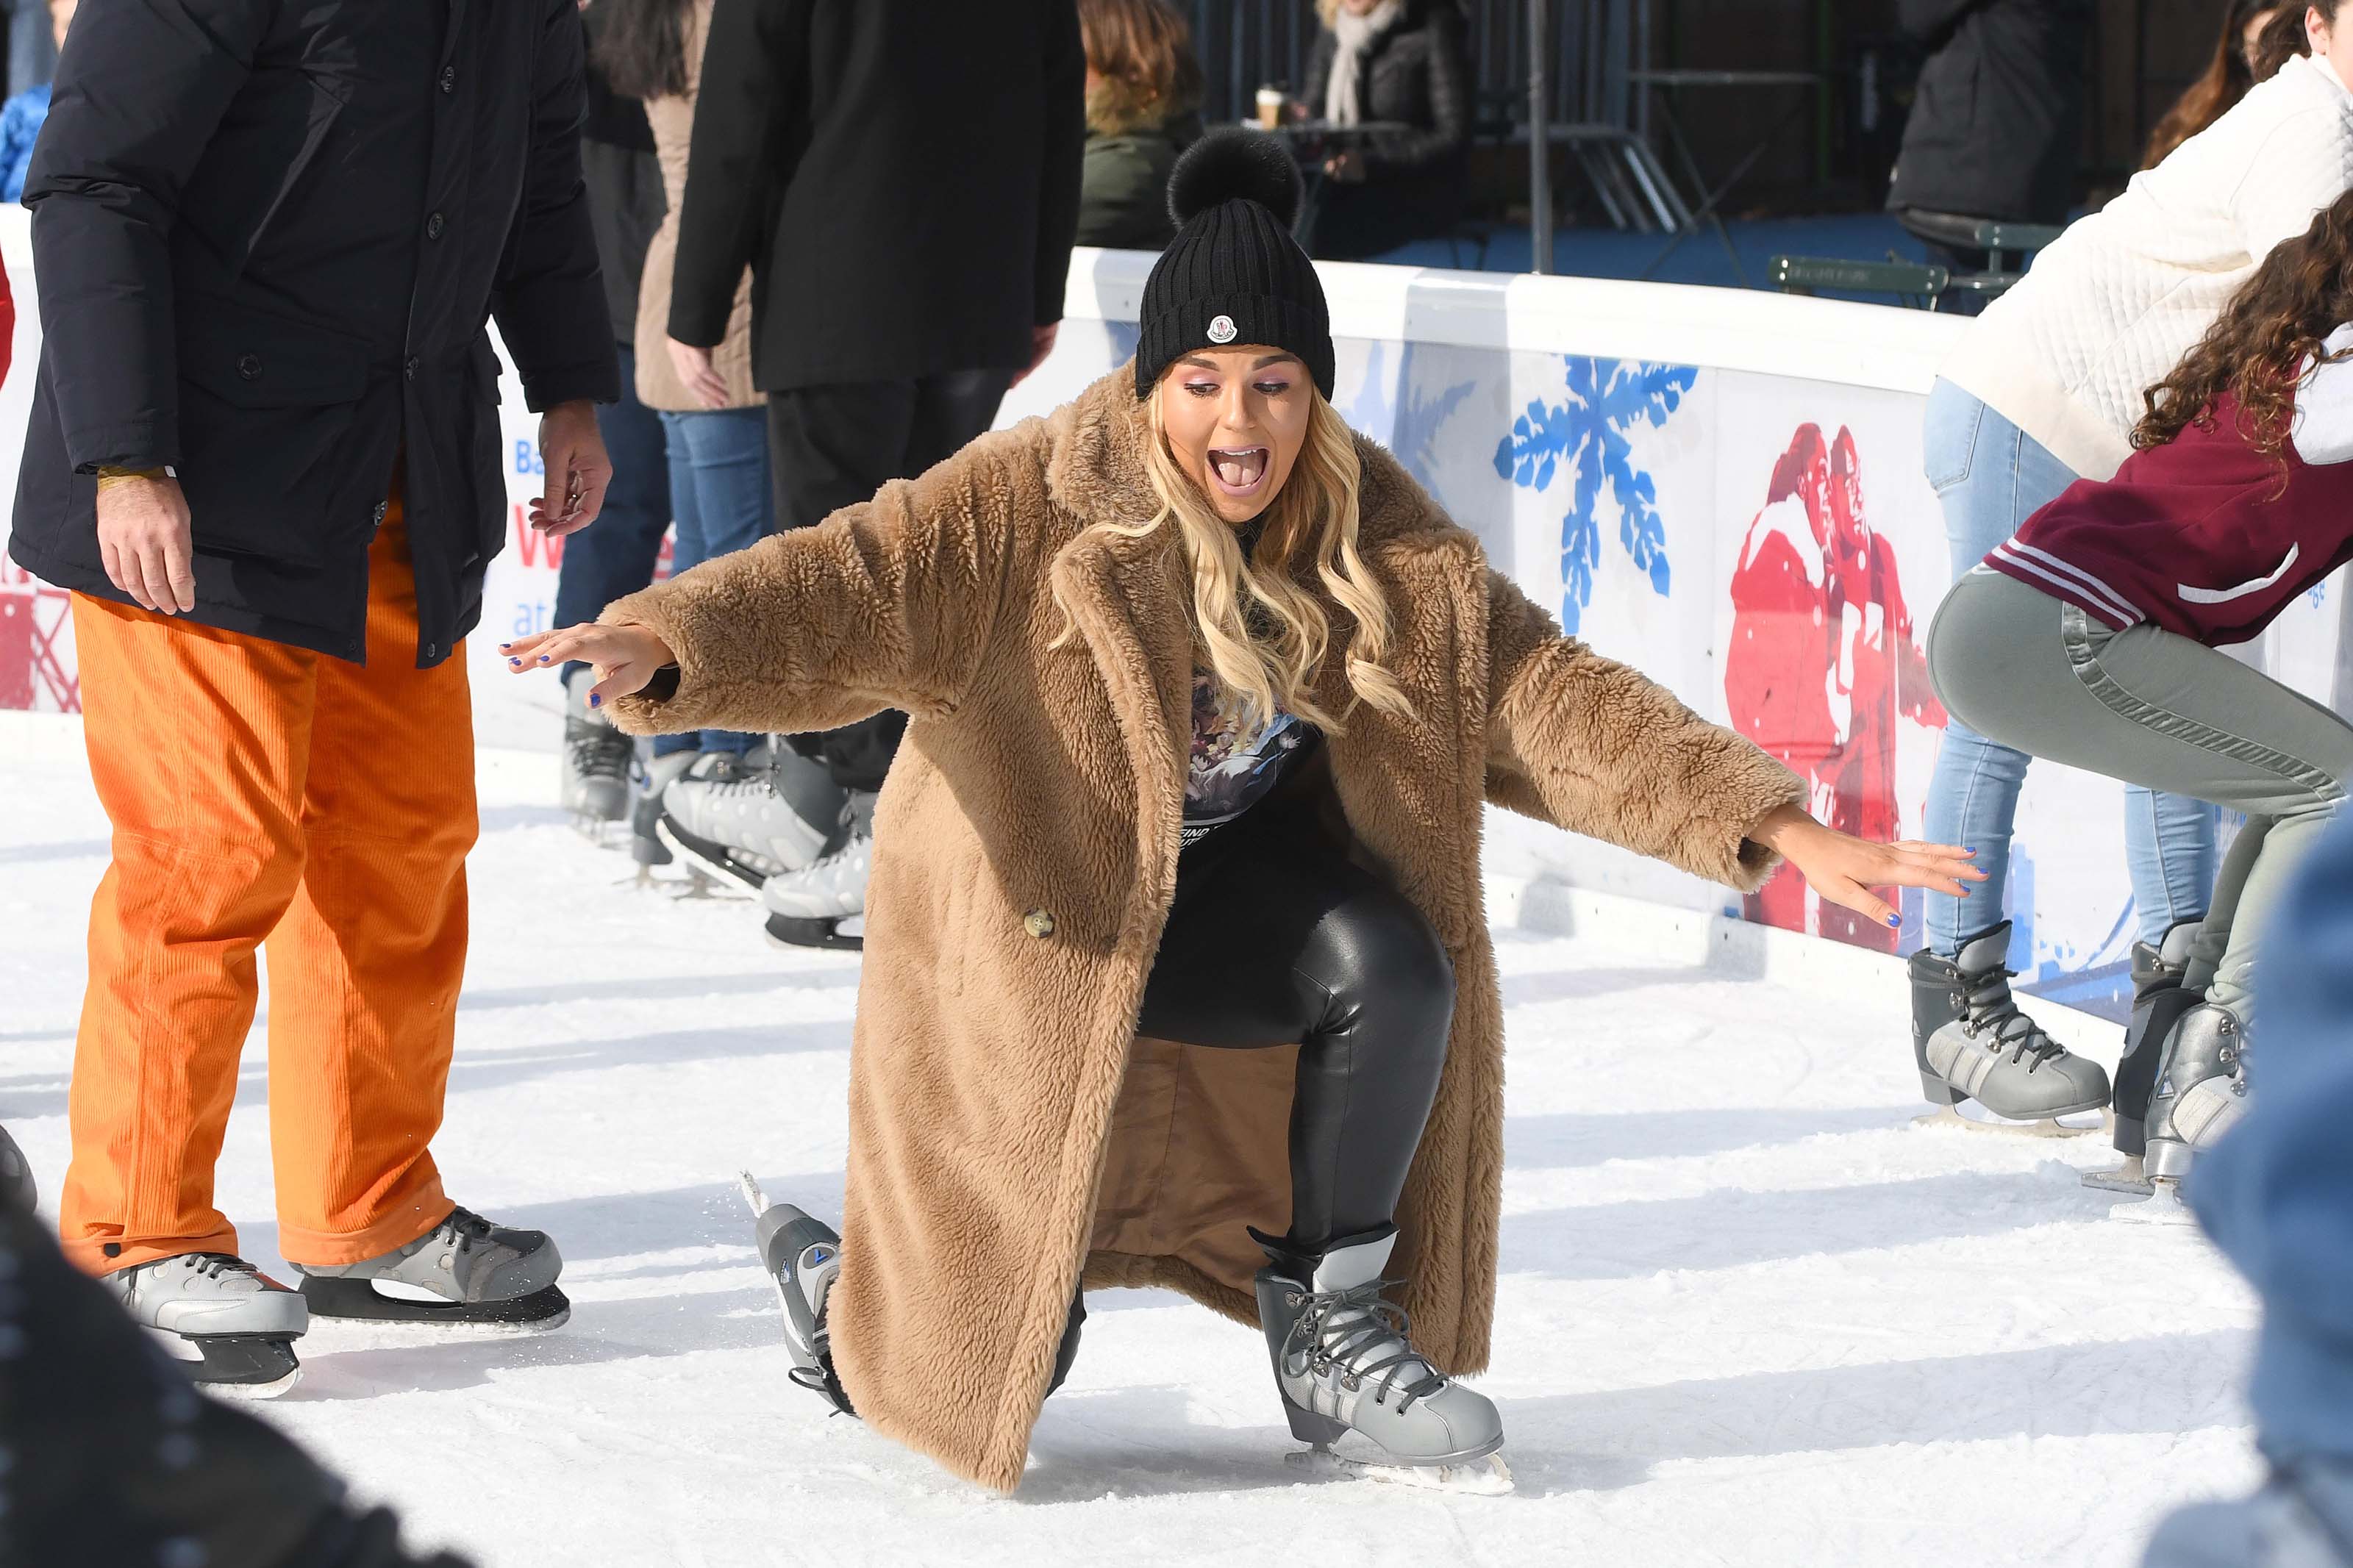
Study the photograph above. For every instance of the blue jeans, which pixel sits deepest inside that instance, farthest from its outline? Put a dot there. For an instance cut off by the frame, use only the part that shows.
(2277, 1194)
(616, 554)
(720, 494)
(1991, 477)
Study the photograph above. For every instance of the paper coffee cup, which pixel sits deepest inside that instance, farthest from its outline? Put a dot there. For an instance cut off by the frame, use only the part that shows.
(1270, 107)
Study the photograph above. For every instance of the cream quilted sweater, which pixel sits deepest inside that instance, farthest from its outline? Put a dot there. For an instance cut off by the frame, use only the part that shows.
(2113, 305)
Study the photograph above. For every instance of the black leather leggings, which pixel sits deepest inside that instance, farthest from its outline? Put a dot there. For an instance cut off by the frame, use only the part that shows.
(1275, 936)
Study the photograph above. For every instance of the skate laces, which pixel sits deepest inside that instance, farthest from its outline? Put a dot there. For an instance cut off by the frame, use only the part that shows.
(217, 1265)
(1337, 1327)
(464, 1227)
(1989, 1007)
(599, 751)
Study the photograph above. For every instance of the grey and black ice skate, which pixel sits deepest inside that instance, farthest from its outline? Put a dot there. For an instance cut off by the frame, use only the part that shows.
(752, 818)
(596, 777)
(649, 776)
(1344, 1362)
(17, 1184)
(823, 903)
(463, 1271)
(2201, 1094)
(1972, 1043)
(802, 1256)
(232, 1326)
(2159, 999)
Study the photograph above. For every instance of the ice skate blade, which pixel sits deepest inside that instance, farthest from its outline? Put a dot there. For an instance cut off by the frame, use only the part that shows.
(707, 859)
(790, 932)
(2162, 1206)
(2073, 1124)
(1489, 1477)
(358, 1302)
(236, 1366)
(2127, 1177)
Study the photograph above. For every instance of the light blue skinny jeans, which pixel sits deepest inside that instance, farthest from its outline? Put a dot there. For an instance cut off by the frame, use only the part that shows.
(721, 502)
(1990, 477)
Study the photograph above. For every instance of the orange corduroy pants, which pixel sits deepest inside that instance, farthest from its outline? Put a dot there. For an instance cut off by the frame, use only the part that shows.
(266, 797)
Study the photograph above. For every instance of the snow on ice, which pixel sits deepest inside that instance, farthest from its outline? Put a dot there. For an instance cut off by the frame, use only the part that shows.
(1749, 1314)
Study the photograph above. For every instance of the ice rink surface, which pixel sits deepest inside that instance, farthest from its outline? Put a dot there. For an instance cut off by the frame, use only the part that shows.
(1749, 1315)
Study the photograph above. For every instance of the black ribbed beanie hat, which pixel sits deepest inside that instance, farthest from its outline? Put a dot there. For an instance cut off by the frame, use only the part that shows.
(1233, 274)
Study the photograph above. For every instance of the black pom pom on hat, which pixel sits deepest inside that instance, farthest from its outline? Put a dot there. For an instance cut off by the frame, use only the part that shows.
(1234, 274)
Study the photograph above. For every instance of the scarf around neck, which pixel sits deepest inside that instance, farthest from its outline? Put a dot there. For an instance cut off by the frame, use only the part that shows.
(1355, 35)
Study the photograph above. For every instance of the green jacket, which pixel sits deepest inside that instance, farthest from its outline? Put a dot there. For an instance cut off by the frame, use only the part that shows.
(1123, 185)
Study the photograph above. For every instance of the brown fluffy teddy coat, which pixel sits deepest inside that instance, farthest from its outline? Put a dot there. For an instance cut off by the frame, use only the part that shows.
(1007, 1130)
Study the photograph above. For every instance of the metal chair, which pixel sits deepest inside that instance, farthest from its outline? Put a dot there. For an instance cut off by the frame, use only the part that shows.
(1997, 238)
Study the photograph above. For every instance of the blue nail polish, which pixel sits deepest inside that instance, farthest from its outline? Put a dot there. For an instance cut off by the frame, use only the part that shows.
(514, 664)
(1968, 849)
(1895, 921)
(595, 700)
(504, 646)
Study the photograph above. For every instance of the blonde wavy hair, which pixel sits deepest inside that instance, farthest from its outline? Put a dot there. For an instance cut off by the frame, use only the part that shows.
(1255, 628)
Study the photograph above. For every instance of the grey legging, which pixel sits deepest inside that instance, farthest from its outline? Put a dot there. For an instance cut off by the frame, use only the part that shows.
(2150, 707)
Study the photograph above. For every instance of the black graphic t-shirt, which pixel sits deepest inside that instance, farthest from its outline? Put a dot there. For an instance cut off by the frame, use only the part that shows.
(1235, 766)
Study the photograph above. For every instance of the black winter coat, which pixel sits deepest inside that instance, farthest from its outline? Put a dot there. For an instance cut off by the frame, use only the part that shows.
(1999, 119)
(268, 237)
(902, 177)
(1416, 72)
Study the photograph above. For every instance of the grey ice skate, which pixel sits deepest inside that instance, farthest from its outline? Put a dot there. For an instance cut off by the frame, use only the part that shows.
(2201, 1089)
(649, 776)
(1344, 1362)
(596, 777)
(2159, 999)
(823, 904)
(17, 1175)
(2303, 1518)
(752, 818)
(1972, 1043)
(802, 1256)
(464, 1271)
(233, 1326)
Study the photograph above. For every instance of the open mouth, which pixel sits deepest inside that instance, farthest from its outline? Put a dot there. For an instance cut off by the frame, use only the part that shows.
(1239, 471)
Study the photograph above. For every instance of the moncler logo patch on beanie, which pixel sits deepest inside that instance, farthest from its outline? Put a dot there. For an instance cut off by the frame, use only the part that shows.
(1233, 273)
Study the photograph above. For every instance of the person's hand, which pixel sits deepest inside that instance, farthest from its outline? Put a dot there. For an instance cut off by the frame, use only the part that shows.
(577, 470)
(1042, 344)
(1348, 168)
(1844, 869)
(703, 380)
(626, 658)
(142, 538)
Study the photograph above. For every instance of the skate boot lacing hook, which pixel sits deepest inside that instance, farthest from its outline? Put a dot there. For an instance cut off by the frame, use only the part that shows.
(1368, 1322)
(1991, 1007)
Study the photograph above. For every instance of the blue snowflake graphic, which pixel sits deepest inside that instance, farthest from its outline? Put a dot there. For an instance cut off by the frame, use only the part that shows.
(1586, 435)
(1406, 418)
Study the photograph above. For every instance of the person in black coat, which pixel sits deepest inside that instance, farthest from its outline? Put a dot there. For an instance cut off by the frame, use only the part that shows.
(264, 454)
(1998, 122)
(903, 180)
(1405, 63)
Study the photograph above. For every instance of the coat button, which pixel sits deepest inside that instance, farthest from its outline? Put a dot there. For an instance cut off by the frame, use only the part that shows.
(410, 370)
(1038, 924)
(449, 78)
(433, 227)
(381, 508)
(248, 367)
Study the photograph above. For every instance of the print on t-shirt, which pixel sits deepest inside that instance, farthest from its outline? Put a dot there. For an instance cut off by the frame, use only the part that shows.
(1233, 767)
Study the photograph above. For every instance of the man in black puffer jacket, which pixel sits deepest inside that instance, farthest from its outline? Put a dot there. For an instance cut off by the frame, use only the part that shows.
(1999, 119)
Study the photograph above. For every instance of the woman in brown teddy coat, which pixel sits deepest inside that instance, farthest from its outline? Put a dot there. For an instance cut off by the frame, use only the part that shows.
(1207, 699)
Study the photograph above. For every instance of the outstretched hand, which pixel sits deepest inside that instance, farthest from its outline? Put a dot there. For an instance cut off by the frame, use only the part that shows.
(625, 658)
(1844, 869)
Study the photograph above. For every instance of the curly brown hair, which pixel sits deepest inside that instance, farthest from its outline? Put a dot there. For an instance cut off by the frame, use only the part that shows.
(2300, 293)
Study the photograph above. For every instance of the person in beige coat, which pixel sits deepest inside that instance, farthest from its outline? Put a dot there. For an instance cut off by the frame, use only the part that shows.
(1178, 971)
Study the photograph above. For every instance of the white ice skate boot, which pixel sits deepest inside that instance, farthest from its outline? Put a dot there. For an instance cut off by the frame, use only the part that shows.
(752, 818)
(2201, 1094)
(233, 1325)
(823, 904)
(464, 1271)
(1972, 1043)
(596, 777)
(1344, 1362)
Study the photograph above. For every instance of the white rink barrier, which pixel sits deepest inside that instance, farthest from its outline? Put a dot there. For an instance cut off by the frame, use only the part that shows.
(1720, 486)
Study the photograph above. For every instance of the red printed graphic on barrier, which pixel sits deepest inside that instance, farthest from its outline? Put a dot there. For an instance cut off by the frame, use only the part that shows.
(1823, 662)
(35, 644)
